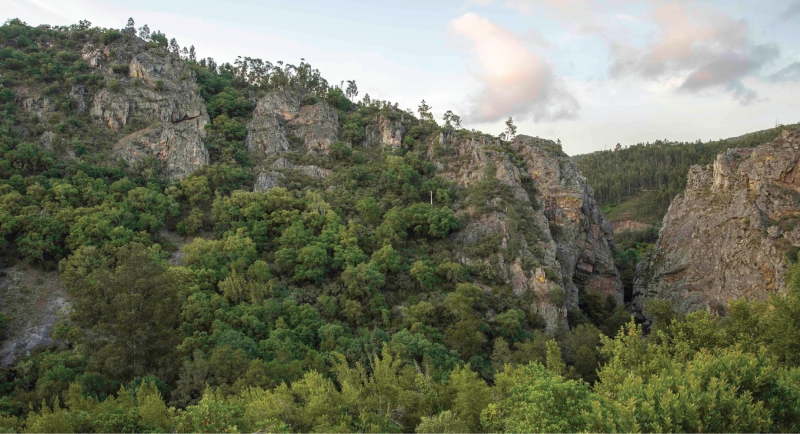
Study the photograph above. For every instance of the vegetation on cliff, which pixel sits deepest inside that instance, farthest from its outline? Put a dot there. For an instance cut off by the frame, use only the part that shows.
(396, 280)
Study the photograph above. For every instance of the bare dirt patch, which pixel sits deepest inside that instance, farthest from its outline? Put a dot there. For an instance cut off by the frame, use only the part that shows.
(33, 300)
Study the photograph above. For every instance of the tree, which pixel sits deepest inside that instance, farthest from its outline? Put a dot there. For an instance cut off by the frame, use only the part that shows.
(192, 54)
(352, 89)
(451, 120)
(130, 27)
(538, 400)
(144, 32)
(511, 129)
(126, 306)
(424, 111)
(173, 46)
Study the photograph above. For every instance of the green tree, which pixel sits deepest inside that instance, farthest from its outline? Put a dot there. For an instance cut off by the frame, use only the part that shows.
(126, 307)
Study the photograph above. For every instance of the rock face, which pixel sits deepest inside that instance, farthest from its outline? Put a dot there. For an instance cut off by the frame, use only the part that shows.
(269, 180)
(629, 225)
(278, 116)
(265, 134)
(551, 238)
(318, 126)
(584, 237)
(386, 133)
(725, 236)
(154, 93)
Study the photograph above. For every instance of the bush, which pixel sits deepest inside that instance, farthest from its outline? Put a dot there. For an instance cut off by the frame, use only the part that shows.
(114, 85)
(337, 99)
(110, 36)
(308, 100)
(120, 69)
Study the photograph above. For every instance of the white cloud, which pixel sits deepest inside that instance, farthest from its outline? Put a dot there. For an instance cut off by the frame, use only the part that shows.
(516, 82)
(710, 50)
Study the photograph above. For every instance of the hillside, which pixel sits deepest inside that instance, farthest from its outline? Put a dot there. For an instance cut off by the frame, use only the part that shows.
(190, 246)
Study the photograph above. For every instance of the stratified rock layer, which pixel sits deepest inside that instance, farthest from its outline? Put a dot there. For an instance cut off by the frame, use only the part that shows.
(725, 236)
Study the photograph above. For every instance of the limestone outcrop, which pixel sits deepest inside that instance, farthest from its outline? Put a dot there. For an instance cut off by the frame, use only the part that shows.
(725, 236)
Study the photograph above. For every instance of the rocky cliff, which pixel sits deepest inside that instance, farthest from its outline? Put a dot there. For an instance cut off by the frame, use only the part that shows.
(725, 237)
(279, 116)
(541, 231)
(150, 94)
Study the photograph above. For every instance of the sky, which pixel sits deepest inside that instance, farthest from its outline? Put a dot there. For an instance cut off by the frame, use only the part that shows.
(592, 73)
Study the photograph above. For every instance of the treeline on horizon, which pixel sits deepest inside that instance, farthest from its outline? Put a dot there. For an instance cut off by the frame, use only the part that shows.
(309, 308)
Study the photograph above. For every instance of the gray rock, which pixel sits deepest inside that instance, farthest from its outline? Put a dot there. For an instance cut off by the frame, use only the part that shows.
(267, 181)
(178, 146)
(318, 126)
(159, 95)
(310, 170)
(275, 178)
(712, 247)
(77, 92)
(265, 134)
(385, 133)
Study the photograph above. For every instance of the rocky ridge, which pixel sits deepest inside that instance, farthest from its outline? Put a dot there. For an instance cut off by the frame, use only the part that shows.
(725, 237)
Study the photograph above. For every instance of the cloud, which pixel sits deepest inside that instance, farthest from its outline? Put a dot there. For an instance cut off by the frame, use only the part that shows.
(789, 73)
(792, 11)
(516, 82)
(706, 49)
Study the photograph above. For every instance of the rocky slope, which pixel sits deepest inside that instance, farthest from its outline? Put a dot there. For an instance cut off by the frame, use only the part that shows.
(725, 237)
(549, 236)
(542, 234)
(148, 107)
(159, 91)
(279, 115)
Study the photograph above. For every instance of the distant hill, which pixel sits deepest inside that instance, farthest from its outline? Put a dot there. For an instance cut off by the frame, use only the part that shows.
(637, 183)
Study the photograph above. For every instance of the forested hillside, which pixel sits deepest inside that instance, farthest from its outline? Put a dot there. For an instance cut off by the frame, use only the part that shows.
(638, 182)
(246, 247)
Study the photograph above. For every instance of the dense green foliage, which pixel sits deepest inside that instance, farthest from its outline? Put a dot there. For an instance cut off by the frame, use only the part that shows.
(638, 182)
(340, 306)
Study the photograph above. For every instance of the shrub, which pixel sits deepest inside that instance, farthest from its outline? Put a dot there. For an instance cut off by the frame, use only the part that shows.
(120, 69)
(110, 36)
(308, 100)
